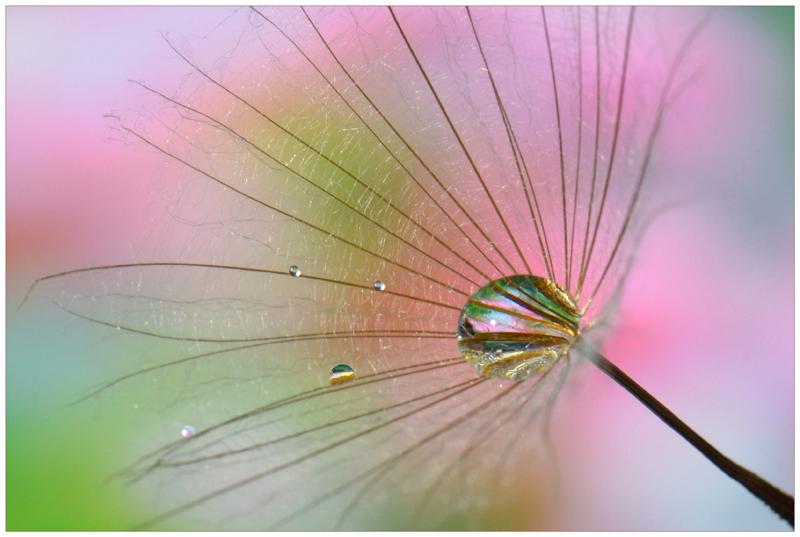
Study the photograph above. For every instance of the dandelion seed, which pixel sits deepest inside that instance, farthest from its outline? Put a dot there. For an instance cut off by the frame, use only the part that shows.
(446, 150)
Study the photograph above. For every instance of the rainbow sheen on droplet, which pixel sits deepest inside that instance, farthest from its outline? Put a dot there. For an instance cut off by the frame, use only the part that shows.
(187, 431)
(341, 374)
(379, 285)
(517, 326)
(294, 270)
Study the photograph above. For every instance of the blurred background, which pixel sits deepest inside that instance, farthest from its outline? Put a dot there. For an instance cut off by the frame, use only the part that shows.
(705, 321)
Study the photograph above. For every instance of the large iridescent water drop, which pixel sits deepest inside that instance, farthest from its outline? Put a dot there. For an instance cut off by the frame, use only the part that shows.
(517, 326)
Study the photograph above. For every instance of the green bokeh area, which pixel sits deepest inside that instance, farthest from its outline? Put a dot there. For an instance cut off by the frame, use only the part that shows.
(59, 457)
(55, 480)
(63, 456)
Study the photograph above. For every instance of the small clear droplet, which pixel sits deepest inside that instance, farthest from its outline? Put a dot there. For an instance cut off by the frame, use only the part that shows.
(341, 374)
(294, 270)
(379, 285)
(187, 431)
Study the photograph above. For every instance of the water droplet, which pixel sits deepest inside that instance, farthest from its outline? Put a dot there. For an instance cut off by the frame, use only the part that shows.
(187, 431)
(341, 374)
(517, 326)
(379, 285)
(294, 270)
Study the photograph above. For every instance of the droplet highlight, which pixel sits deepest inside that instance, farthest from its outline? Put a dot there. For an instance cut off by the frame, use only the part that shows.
(341, 374)
(379, 285)
(187, 431)
(517, 326)
(294, 270)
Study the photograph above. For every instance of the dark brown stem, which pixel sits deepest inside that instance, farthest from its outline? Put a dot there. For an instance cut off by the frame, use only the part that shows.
(776, 499)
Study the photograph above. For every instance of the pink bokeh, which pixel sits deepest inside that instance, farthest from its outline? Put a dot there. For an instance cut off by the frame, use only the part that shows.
(707, 313)
(76, 194)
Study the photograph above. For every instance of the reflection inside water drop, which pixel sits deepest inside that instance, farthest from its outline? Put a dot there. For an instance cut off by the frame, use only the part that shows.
(187, 431)
(341, 374)
(517, 326)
